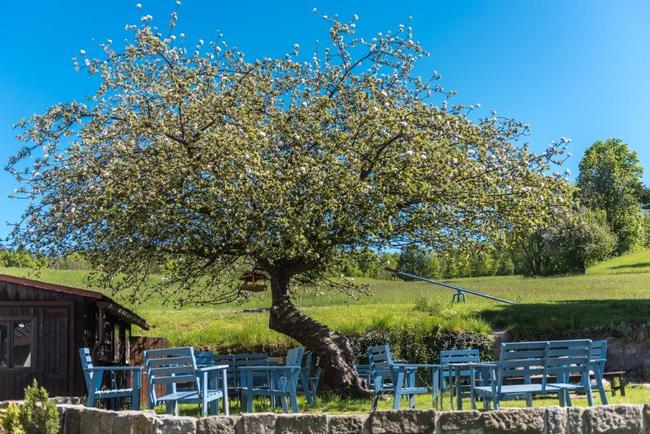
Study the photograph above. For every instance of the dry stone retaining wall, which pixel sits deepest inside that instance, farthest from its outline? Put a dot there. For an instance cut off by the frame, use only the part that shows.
(617, 419)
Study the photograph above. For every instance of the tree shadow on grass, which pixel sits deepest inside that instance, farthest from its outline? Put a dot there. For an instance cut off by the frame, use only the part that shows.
(626, 266)
(568, 318)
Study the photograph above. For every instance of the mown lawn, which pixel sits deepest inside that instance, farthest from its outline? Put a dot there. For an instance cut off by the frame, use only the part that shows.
(332, 404)
(610, 294)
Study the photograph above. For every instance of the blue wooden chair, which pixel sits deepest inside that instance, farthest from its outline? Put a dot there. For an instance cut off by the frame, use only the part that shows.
(387, 375)
(204, 358)
(449, 374)
(309, 378)
(235, 361)
(565, 359)
(94, 376)
(518, 361)
(282, 381)
(363, 370)
(186, 383)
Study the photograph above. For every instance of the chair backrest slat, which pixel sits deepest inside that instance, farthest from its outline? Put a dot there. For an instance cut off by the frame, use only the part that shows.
(204, 358)
(568, 357)
(599, 349)
(381, 364)
(523, 359)
(467, 355)
(87, 366)
(172, 367)
(294, 356)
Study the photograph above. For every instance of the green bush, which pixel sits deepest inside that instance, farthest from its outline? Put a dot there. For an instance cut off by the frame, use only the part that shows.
(420, 343)
(10, 420)
(570, 246)
(37, 415)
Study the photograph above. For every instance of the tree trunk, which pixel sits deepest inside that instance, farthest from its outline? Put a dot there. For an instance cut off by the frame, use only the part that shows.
(337, 359)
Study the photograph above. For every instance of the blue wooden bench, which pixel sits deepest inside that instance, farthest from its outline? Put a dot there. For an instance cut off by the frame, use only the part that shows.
(550, 364)
(186, 383)
(94, 376)
(281, 385)
(386, 375)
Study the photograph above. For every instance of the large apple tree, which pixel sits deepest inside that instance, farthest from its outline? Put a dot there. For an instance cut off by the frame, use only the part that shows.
(191, 161)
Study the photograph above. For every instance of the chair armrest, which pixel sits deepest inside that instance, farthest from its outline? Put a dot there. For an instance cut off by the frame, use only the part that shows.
(416, 365)
(267, 368)
(114, 368)
(212, 368)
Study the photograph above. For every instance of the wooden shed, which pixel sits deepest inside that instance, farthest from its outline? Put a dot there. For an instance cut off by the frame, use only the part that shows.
(43, 325)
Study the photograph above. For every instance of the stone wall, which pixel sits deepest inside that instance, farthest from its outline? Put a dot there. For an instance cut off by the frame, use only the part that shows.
(619, 419)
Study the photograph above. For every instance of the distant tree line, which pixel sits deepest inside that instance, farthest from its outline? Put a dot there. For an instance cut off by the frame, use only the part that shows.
(609, 217)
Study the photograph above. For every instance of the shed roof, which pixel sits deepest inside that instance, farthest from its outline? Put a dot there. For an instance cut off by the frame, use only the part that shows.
(112, 306)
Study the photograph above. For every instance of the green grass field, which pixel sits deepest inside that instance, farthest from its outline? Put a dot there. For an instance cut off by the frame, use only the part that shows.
(610, 294)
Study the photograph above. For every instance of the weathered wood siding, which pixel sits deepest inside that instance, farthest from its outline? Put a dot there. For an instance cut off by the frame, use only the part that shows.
(63, 323)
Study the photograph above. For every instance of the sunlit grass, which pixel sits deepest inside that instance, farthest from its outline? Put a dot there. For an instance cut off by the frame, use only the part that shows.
(334, 404)
(611, 293)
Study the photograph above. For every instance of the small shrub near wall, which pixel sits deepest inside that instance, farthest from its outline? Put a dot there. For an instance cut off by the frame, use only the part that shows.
(36, 415)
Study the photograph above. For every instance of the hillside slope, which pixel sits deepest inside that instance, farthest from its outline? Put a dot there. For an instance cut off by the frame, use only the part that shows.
(613, 295)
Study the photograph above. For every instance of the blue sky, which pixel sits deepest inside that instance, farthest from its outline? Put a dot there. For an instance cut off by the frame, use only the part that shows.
(573, 68)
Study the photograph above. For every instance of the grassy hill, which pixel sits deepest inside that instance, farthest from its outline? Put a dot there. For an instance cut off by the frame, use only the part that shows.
(612, 295)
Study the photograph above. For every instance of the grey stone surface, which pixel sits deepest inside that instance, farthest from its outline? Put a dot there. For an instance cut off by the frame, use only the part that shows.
(174, 425)
(259, 423)
(515, 421)
(70, 418)
(97, 421)
(219, 424)
(344, 424)
(615, 419)
(556, 420)
(403, 421)
(574, 420)
(646, 419)
(456, 422)
(301, 423)
(134, 422)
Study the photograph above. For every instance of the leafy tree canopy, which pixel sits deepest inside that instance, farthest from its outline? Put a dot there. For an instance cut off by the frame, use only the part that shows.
(189, 154)
(610, 180)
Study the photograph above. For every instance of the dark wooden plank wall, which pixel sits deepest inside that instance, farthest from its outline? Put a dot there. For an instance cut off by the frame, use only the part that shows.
(65, 323)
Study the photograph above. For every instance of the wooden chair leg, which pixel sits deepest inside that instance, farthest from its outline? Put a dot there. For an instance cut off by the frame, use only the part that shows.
(375, 400)
(285, 407)
(621, 382)
(567, 398)
(135, 400)
(601, 387)
(294, 403)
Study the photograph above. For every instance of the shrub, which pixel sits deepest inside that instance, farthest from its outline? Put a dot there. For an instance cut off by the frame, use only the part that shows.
(37, 415)
(420, 343)
(10, 420)
(568, 247)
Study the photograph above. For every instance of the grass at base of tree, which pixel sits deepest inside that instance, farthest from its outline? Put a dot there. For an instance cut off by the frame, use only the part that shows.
(614, 294)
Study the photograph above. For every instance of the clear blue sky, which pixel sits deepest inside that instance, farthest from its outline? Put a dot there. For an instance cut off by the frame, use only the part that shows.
(579, 69)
